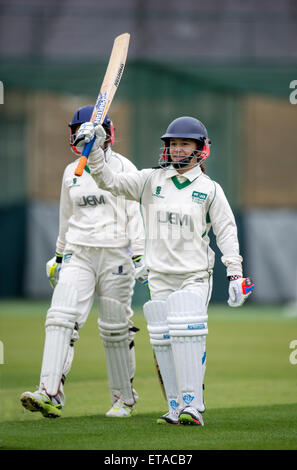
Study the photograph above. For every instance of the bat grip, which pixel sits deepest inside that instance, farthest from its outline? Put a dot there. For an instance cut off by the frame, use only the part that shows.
(84, 157)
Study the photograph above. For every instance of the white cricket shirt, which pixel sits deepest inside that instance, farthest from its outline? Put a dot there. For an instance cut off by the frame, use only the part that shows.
(90, 216)
(178, 212)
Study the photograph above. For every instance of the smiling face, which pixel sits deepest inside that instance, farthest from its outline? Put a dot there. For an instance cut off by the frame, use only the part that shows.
(182, 149)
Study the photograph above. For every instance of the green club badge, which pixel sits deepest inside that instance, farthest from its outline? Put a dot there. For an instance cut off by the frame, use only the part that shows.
(198, 197)
(158, 191)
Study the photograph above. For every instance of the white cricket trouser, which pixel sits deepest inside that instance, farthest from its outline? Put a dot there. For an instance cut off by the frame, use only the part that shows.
(107, 272)
(162, 285)
(187, 385)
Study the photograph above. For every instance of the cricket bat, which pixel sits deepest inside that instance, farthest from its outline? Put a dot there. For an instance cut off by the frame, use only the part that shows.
(159, 376)
(108, 88)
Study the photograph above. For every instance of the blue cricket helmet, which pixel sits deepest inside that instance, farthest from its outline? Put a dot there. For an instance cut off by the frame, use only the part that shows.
(84, 114)
(186, 127)
(81, 115)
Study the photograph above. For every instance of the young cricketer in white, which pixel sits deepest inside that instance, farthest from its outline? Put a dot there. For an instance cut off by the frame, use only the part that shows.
(98, 236)
(179, 204)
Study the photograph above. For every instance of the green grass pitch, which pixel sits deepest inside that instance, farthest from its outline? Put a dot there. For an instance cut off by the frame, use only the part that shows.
(250, 394)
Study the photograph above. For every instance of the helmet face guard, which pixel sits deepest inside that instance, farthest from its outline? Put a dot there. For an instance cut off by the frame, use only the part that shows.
(82, 115)
(109, 129)
(186, 128)
(201, 155)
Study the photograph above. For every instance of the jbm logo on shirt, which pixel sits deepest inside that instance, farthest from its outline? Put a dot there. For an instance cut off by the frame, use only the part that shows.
(91, 200)
(174, 218)
(198, 197)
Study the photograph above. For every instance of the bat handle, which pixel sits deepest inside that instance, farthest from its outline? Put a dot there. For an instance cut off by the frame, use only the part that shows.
(84, 157)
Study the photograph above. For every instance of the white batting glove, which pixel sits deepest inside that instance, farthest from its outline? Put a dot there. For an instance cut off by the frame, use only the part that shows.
(141, 271)
(96, 158)
(53, 268)
(96, 161)
(86, 133)
(240, 288)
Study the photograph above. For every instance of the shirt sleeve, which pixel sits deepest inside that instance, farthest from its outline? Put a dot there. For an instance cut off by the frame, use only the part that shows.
(135, 229)
(128, 184)
(65, 213)
(225, 229)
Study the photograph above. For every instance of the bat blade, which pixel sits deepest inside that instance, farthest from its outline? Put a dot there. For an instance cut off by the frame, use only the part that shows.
(108, 88)
(159, 376)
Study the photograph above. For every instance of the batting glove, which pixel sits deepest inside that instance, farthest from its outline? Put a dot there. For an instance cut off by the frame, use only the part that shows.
(53, 268)
(240, 288)
(86, 133)
(141, 271)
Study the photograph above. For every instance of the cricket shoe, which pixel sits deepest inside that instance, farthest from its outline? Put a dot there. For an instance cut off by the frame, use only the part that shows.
(190, 415)
(169, 418)
(40, 401)
(120, 410)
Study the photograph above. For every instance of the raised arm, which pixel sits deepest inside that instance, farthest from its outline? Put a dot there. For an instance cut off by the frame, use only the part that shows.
(125, 184)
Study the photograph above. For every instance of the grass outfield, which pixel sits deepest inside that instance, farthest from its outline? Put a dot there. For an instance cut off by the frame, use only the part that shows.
(251, 386)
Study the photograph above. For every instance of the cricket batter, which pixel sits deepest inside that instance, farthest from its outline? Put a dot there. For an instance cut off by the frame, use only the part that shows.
(99, 234)
(179, 205)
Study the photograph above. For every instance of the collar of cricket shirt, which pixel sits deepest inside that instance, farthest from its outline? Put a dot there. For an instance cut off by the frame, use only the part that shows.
(181, 181)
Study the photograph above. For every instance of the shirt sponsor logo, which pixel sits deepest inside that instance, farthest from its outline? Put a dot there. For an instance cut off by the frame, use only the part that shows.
(157, 193)
(67, 257)
(174, 218)
(198, 198)
(91, 201)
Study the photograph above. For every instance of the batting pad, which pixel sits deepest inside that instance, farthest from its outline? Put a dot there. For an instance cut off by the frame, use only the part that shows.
(187, 322)
(70, 353)
(59, 325)
(155, 312)
(114, 331)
